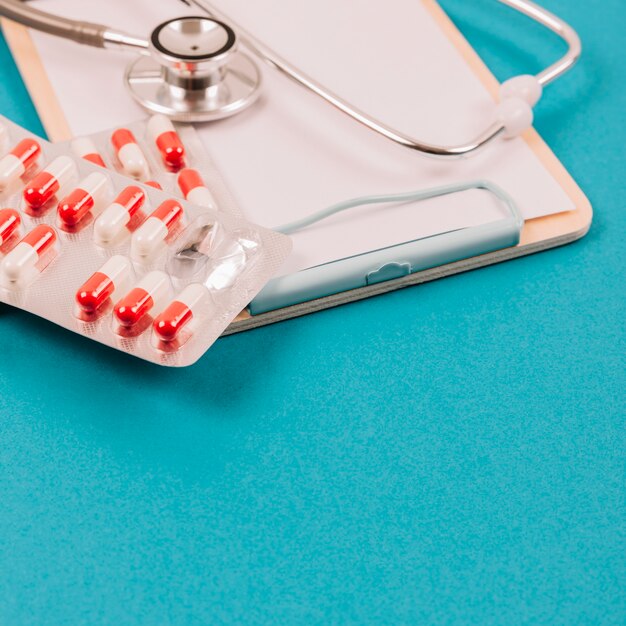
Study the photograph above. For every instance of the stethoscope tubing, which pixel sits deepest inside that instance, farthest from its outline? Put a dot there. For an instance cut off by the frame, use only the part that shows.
(101, 36)
(526, 7)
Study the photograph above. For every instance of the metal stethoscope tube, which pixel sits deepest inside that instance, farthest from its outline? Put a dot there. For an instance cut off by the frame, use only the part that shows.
(95, 35)
(104, 37)
(530, 9)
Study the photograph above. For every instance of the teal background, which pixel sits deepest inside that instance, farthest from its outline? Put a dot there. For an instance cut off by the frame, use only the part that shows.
(448, 454)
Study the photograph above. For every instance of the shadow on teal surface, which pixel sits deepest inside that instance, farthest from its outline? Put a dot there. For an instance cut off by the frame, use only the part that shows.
(451, 453)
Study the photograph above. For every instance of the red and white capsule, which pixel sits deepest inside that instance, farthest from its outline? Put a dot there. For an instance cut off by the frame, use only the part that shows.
(85, 148)
(117, 215)
(90, 193)
(18, 264)
(138, 302)
(194, 189)
(130, 155)
(10, 221)
(15, 164)
(48, 182)
(151, 235)
(163, 134)
(103, 284)
(179, 313)
(154, 183)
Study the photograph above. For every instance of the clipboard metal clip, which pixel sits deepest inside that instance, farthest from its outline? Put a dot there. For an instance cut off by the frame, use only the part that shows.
(395, 262)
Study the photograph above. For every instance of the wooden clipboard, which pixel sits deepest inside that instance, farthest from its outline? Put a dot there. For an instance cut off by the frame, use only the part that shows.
(537, 235)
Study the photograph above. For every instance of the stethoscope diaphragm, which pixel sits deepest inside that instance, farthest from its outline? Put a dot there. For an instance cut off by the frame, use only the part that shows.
(194, 72)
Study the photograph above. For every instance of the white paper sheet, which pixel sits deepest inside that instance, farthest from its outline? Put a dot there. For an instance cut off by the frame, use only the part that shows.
(292, 154)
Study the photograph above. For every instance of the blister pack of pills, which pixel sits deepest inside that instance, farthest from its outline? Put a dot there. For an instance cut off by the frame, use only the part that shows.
(125, 262)
(157, 153)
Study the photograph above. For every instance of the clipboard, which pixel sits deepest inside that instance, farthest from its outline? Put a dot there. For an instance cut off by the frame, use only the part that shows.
(537, 234)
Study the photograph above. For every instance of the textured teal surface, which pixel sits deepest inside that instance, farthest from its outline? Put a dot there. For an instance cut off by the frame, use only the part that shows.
(449, 454)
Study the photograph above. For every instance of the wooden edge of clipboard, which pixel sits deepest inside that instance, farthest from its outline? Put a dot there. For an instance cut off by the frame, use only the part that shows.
(551, 228)
(537, 235)
(36, 80)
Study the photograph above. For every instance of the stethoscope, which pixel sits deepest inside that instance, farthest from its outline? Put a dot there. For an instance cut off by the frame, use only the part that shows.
(193, 70)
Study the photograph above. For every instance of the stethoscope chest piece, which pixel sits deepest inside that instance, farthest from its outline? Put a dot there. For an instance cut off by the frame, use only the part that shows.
(193, 72)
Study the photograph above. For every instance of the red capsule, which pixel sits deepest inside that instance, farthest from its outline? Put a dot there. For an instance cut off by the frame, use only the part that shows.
(132, 198)
(169, 212)
(27, 151)
(189, 179)
(122, 137)
(164, 135)
(133, 307)
(75, 207)
(168, 325)
(41, 239)
(141, 300)
(43, 187)
(95, 292)
(95, 158)
(194, 188)
(101, 285)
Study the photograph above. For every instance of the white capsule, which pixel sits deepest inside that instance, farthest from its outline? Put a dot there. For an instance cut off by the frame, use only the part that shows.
(82, 146)
(151, 235)
(21, 261)
(85, 148)
(193, 296)
(157, 284)
(194, 189)
(11, 168)
(15, 164)
(130, 155)
(201, 196)
(148, 238)
(133, 161)
(110, 223)
(62, 169)
(96, 185)
(159, 124)
(118, 214)
(116, 268)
